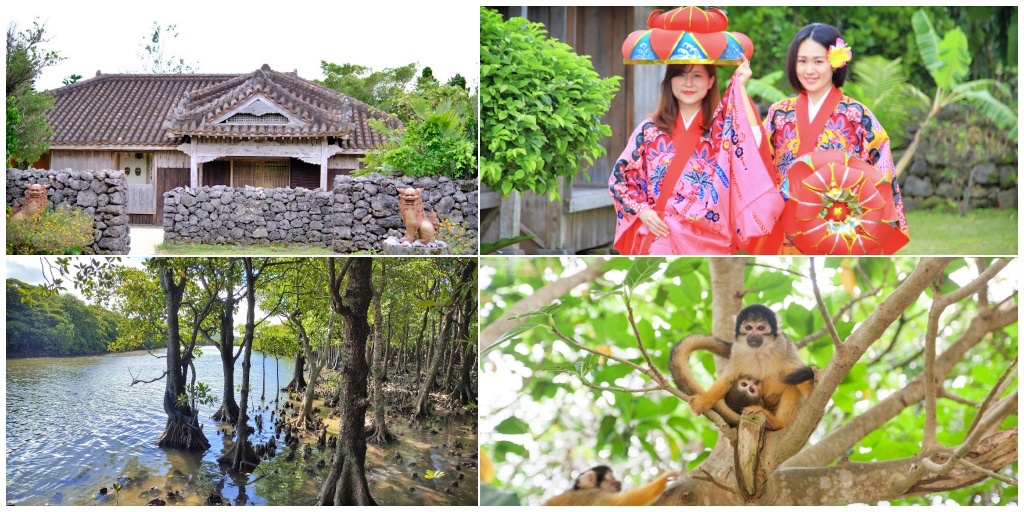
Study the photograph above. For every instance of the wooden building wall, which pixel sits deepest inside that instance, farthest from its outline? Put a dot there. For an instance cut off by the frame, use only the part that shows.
(82, 160)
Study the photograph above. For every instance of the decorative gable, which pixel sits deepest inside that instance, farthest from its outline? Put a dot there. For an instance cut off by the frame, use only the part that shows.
(259, 110)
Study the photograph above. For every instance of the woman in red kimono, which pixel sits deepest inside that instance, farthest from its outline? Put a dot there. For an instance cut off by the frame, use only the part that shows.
(714, 186)
(858, 215)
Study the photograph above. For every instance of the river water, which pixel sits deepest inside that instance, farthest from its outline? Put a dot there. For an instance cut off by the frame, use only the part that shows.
(75, 425)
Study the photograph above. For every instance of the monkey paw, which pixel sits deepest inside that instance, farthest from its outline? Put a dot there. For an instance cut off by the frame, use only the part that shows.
(698, 405)
(753, 409)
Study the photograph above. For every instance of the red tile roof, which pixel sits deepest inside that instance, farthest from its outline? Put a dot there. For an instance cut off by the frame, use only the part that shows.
(148, 110)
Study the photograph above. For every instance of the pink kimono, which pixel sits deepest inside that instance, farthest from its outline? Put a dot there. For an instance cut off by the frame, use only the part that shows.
(724, 197)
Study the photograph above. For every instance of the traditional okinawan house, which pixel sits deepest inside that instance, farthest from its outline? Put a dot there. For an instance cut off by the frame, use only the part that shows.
(262, 129)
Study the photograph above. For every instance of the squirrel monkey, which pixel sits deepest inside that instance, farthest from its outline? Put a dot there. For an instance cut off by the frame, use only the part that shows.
(745, 392)
(598, 486)
(759, 353)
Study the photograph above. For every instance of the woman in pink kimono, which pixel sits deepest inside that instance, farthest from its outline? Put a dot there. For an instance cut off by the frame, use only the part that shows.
(864, 213)
(715, 199)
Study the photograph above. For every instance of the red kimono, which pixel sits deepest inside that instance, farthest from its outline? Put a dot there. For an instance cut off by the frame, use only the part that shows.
(724, 195)
(859, 212)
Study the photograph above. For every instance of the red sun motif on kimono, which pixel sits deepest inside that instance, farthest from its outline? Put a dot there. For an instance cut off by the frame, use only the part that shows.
(839, 204)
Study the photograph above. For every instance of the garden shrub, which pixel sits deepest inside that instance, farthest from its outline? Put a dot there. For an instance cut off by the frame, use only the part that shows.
(61, 231)
(540, 107)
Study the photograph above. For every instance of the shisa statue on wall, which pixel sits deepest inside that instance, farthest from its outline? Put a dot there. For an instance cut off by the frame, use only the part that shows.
(419, 227)
(35, 202)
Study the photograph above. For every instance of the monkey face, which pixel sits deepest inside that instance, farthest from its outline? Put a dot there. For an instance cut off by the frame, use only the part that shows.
(753, 332)
(749, 386)
(611, 484)
(598, 477)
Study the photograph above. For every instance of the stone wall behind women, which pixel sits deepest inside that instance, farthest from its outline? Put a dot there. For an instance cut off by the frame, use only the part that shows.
(102, 194)
(357, 215)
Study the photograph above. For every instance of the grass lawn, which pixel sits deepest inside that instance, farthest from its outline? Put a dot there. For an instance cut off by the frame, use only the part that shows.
(980, 232)
(177, 249)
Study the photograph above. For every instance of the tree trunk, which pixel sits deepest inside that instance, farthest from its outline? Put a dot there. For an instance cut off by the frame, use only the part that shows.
(305, 419)
(422, 400)
(378, 433)
(298, 381)
(346, 483)
(242, 458)
(465, 393)
(228, 412)
(182, 430)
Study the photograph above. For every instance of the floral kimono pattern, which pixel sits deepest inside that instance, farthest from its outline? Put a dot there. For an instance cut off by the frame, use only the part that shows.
(850, 127)
(724, 194)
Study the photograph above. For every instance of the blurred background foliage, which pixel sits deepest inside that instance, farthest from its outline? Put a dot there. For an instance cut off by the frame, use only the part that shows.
(540, 426)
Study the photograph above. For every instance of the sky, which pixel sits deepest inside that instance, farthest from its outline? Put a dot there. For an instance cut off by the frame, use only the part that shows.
(236, 37)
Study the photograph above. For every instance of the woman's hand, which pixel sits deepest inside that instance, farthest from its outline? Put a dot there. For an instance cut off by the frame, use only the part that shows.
(743, 72)
(654, 223)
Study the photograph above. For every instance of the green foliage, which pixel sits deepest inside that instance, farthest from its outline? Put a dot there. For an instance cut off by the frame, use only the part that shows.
(460, 239)
(432, 144)
(61, 231)
(40, 323)
(198, 393)
(881, 84)
(382, 89)
(540, 106)
(948, 61)
(548, 418)
(27, 127)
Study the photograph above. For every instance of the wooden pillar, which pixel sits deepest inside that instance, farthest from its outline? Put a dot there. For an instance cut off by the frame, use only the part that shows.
(509, 218)
(194, 175)
(323, 164)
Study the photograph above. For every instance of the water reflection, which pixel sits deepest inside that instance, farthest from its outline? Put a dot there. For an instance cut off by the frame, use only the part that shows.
(74, 426)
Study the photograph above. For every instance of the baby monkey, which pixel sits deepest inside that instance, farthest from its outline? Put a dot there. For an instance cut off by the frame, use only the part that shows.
(598, 486)
(744, 393)
(760, 355)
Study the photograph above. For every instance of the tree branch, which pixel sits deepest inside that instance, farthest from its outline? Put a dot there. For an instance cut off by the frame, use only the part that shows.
(836, 342)
(796, 434)
(542, 297)
(136, 380)
(840, 440)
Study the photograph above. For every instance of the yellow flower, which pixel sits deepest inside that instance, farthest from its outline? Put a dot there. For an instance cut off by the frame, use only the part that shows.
(839, 54)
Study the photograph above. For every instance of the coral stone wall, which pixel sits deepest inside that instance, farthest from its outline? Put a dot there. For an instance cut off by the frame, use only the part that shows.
(224, 215)
(357, 215)
(366, 209)
(102, 194)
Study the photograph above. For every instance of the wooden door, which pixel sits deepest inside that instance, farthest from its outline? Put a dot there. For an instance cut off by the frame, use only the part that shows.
(167, 179)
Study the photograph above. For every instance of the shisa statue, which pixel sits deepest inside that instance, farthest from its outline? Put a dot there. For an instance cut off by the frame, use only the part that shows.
(419, 227)
(35, 202)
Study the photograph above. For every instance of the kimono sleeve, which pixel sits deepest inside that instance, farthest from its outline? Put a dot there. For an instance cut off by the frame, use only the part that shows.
(629, 184)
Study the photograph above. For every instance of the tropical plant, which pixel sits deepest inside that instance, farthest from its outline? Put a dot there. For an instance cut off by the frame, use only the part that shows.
(881, 84)
(431, 144)
(948, 61)
(540, 107)
(27, 126)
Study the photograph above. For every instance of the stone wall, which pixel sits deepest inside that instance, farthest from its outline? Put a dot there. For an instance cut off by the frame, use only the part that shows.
(101, 194)
(357, 215)
(225, 215)
(963, 152)
(366, 209)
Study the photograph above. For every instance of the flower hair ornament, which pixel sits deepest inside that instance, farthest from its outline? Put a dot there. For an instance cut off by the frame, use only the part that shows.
(839, 54)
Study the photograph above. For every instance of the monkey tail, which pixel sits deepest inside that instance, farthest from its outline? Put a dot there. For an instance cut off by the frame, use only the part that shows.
(679, 364)
(799, 376)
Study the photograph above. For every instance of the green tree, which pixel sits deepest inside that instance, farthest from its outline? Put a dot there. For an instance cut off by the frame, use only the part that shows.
(382, 89)
(155, 56)
(41, 324)
(27, 127)
(540, 107)
(577, 352)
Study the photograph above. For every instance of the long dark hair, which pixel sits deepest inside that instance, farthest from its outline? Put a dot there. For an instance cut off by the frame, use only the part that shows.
(668, 108)
(823, 34)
